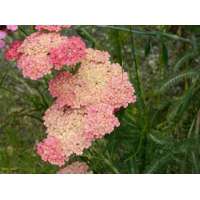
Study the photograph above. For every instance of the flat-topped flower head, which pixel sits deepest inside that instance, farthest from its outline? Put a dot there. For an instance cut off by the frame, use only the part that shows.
(49, 51)
(34, 61)
(50, 149)
(51, 28)
(68, 125)
(95, 82)
(85, 102)
(75, 168)
(78, 128)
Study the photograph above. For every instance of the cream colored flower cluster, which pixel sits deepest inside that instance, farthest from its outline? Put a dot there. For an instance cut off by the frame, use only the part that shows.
(41, 52)
(85, 102)
(97, 81)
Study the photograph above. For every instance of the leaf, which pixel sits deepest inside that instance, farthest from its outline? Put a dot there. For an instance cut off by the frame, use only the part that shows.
(177, 79)
(164, 54)
(156, 140)
(147, 48)
(183, 60)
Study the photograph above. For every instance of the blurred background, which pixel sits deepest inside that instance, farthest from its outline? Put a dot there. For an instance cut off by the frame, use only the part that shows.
(158, 134)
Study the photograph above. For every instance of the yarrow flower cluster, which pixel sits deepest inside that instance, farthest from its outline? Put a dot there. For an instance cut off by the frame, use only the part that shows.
(41, 52)
(75, 168)
(68, 126)
(97, 81)
(35, 60)
(85, 102)
(78, 128)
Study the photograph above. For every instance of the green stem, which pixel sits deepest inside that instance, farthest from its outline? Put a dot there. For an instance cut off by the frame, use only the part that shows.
(114, 169)
(137, 76)
(142, 106)
(23, 31)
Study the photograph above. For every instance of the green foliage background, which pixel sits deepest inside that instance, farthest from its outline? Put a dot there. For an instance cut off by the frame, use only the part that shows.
(158, 134)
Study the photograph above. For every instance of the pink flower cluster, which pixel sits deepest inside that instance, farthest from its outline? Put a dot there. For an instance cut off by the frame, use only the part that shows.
(41, 52)
(86, 102)
(35, 49)
(78, 128)
(97, 81)
(75, 168)
(3, 34)
(68, 125)
(51, 28)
